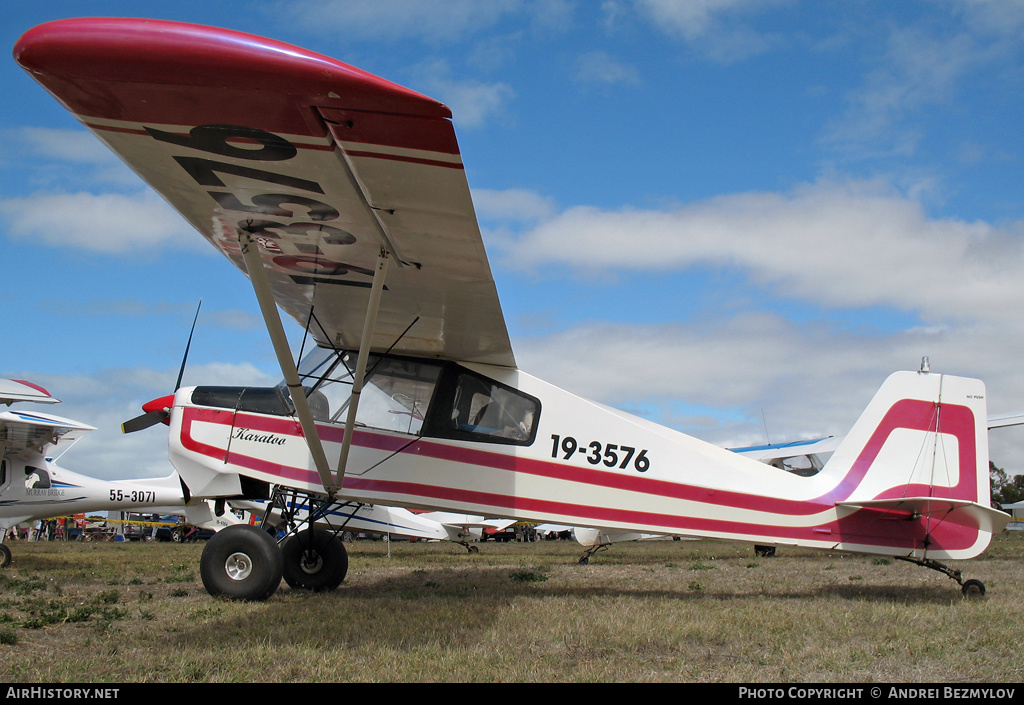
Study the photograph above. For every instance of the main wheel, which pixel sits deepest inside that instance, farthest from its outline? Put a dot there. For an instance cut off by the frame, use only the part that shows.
(5, 555)
(242, 563)
(764, 551)
(316, 561)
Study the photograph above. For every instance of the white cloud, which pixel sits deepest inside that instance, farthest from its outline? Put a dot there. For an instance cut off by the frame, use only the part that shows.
(512, 204)
(716, 378)
(474, 102)
(65, 158)
(76, 146)
(713, 27)
(854, 244)
(993, 17)
(388, 20)
(695, 17)
(600, 67)
(110, 223)
(918, 71)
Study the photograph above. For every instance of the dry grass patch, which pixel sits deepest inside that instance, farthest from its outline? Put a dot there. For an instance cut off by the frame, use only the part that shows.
(653, 611)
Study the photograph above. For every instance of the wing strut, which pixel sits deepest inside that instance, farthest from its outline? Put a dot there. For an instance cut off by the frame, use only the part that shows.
(364, 353)
(268, 307)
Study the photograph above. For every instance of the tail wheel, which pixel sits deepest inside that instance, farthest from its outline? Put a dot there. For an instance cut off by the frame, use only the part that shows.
(241, 563)
(5, 555)
(314, 560)
(973, 589)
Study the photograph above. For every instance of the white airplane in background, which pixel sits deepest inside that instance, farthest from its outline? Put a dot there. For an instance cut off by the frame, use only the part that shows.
(313, 560)
(343, 197)
(33, 486)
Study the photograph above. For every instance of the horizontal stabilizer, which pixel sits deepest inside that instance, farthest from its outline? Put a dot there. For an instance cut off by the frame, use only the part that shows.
(957, 511)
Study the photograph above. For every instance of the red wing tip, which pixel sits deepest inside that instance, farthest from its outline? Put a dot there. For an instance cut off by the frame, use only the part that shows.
(162, 52)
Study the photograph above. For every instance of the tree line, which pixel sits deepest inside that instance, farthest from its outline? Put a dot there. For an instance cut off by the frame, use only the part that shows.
(1005, 489)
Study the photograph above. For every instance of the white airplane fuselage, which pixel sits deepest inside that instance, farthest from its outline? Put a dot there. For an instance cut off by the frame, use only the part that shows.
(32, 488)
(584, 464)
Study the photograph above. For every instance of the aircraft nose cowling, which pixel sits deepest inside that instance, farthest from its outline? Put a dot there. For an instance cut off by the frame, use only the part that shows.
(157, 411)
(159, 405)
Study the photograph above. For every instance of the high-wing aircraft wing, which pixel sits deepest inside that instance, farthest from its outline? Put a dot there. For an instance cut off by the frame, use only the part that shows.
(799, 457)
(24, 432)
(12, 390)
(342, 164)
(1005, 420)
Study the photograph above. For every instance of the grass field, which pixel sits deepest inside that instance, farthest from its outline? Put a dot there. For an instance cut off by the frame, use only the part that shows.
(653, 611)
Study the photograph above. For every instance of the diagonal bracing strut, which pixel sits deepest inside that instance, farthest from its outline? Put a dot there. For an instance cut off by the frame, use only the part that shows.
(369, 324)
(268, 307)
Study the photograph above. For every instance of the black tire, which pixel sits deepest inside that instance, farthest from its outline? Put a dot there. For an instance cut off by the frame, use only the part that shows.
(5, 556)
(241, 563)
(320, 564)
(973, 588)
(764, 551)
(178, 534)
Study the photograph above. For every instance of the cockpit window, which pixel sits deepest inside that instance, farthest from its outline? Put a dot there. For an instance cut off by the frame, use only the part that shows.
(491, 411)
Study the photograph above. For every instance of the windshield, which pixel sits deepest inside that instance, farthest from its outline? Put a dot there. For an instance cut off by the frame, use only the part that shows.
(395, 396)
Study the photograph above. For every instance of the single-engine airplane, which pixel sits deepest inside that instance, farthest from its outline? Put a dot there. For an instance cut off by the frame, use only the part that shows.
(343, 198)
(33, 486)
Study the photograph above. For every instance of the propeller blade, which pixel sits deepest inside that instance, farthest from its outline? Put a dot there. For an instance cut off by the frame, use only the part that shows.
(157, 411)
(150, 418)
(181, 371)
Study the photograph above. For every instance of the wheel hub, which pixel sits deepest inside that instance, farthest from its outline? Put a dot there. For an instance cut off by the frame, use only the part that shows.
(238, 566)
(311, 562)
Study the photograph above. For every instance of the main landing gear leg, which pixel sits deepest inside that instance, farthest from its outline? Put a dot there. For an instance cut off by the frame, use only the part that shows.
(468, 546)
(969, 588)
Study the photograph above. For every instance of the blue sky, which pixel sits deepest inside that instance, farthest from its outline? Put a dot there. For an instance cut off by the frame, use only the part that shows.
(721, 214)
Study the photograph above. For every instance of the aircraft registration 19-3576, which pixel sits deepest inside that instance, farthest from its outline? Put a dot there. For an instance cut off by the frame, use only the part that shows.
(343, 198)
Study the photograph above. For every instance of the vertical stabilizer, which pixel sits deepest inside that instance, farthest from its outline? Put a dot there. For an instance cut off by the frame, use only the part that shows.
(919, 454)
(923, 434)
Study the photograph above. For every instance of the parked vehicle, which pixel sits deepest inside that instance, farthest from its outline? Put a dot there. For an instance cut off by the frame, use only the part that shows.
(181, 531)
